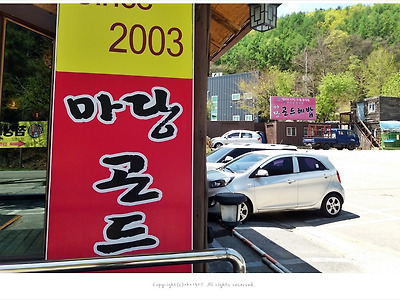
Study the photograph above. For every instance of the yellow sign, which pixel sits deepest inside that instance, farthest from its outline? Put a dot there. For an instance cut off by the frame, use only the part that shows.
(125, 39)
(23, 134)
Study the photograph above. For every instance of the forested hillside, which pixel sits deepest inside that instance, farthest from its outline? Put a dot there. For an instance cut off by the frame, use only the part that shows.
(337, 55)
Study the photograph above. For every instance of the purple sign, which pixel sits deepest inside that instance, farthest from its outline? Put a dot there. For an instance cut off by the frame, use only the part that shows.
(292, 108)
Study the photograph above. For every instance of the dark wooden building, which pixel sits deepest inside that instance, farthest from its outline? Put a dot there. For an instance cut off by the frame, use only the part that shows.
(290, 132)
(370, 112)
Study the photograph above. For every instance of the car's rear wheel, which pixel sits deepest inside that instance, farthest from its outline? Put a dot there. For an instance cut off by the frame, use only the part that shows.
(245, 210)
(217, 145)
(331, 205)
(326, 146)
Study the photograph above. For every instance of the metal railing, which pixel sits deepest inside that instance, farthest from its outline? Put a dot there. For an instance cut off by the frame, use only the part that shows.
(135, 261)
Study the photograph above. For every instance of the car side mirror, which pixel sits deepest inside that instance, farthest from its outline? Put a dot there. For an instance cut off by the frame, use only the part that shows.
(262, 173)
(227, 159)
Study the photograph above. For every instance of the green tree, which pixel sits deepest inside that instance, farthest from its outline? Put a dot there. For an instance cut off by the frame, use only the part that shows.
(27, 74)
(342, 29)
(356, 69)
(391, 88)
(378, 68)
(336, 93)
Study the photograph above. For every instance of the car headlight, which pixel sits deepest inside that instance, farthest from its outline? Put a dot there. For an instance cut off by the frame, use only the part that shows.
(220, 182)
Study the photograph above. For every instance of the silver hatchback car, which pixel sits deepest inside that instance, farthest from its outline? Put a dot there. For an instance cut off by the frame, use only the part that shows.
(236, 136)
(279, 181)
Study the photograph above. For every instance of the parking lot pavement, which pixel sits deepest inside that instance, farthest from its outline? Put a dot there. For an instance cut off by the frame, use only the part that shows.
(253, 261)
(261, 254)
(268, 258)
(22, 182)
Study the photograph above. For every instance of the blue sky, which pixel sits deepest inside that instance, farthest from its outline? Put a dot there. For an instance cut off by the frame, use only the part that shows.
(289, 7)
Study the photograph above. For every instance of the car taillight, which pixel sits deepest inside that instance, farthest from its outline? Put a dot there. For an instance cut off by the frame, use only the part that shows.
(338, 176)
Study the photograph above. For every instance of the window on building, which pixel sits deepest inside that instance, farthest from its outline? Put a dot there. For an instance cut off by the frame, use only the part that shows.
(214, 108)
(247, 96)
(235, 96)
(305, 131)
(235, 118)
(291, 131)
(248, 117)
(371, 107)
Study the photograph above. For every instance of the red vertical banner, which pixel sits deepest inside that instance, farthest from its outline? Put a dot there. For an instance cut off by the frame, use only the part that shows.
(122, 132)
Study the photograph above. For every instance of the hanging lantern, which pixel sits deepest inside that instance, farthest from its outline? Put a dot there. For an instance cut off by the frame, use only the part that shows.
(263, 17)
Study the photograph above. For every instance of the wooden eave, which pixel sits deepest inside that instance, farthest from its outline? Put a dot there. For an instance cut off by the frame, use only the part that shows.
(229, 24)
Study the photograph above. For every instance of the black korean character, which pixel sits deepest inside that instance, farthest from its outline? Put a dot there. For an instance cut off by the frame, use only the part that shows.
(144, 106)
(21, 130)
(81, 108)
(124, 233)
(8, 130)
(108, 108)
(127, 173)
(284, 111)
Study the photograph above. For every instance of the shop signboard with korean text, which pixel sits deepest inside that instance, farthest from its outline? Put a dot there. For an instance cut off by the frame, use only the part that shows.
(292, 108)
(24, 134)
(122, 135)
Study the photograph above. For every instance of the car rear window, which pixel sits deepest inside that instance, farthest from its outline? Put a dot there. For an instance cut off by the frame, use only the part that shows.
(246, 135)
(309, 164)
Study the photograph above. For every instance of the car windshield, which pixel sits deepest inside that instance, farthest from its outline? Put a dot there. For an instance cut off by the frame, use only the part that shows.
(243, 163)
(214, 156)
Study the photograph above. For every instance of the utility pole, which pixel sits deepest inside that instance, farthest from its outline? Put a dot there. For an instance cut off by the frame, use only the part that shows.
(306, 76)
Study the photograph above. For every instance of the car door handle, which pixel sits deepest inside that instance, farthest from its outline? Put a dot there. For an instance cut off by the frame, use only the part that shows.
(290, 181)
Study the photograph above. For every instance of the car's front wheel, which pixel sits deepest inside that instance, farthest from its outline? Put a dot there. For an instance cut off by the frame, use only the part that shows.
(331, 205)
(244, 211)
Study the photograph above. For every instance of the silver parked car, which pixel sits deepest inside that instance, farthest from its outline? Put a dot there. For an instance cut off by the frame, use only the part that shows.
(236, 136)
(226, 153)
(279, 181)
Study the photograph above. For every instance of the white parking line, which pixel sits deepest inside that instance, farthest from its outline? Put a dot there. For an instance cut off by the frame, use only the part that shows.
(295, 261)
